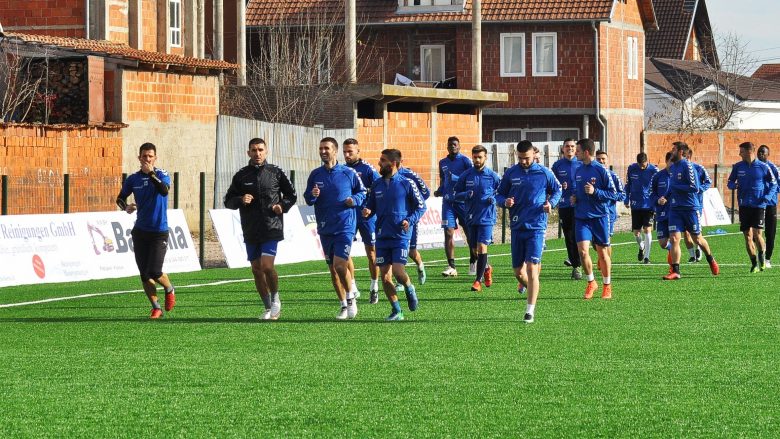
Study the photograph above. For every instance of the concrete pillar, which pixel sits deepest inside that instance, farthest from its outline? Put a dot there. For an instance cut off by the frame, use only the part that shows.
(585, 126)
(476, 45)
(96, 86)
(135, 24)
(219, 32)
(350, 33)
(201, 5)
(189, 38)
(163, 25)
(241, 41)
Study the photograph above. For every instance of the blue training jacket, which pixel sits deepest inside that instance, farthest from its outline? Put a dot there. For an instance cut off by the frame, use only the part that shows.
(417, 180)
(704, 183)
(394, 200)
(152, 213)
(563, 169)
(683, 186)
(754, 183)
(621, 195)
(477, 189)
(659, 186)
(595, 205)
(773, 197)
(336, 185)
(638, 186)
(530, 188)
(368, 175)
(450, 170)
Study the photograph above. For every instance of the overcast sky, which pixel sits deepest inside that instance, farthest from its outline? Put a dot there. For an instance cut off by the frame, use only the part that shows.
(756, 23)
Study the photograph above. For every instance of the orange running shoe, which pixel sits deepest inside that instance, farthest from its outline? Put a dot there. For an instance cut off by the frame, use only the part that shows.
(156, 313)
(672, 276)
(476, 286)
(170, 300)
(590, 288)
(606, 293)
(714, 268)
(488, 276)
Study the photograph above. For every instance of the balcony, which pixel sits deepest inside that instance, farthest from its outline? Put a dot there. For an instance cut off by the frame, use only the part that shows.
(424, 6)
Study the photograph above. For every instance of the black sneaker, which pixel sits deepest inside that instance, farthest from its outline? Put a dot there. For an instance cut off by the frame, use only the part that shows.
(691, 259)
(528, 318)
(373, 297)
(640, 255)
(698, 255)
(646, 261)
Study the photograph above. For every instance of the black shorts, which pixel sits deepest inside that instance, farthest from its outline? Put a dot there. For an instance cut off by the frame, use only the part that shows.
(641, 218)
(751, 218)
(150, 249)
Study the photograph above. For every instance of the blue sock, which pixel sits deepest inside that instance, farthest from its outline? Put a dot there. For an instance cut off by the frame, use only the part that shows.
(396, 307)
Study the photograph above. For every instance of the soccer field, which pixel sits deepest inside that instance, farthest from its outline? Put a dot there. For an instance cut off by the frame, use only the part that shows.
(693, 358)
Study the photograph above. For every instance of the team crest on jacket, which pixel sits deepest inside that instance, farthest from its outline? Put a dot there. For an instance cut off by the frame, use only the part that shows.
(593, 181)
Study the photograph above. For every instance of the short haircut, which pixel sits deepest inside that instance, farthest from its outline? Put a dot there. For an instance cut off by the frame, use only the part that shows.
(569, 139)
(524, 146)
(256, 141)
(747, 145)
(587, 145)
(763, 147)
(452, 139)
(146, 147)
(601, 151)
(668, 156)
(641, 158)
(392, 154)
(478, 149)
(331, 140)
(350, 141)
(681, 146)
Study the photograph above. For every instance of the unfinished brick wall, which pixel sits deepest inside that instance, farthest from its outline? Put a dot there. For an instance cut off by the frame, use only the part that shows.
(118, 21)
(60, 18)
(164, 97)
(149, 24)
(36, 157)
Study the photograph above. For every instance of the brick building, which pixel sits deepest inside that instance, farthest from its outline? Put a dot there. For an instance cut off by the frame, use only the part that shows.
(570, 69)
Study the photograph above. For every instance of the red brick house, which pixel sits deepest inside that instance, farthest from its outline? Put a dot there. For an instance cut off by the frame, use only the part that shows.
(570, 68)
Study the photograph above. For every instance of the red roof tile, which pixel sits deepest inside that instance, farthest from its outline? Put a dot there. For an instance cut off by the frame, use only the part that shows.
(675, 23)
(113, 49)
(272, 12)
(769, 72)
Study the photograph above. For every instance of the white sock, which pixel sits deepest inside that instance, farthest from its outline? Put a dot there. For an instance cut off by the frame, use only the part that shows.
(648, 244)
(529, 309)
(606, 280)
(169, 291)
(421, 267)
(350, 295)
(590, 277)
(353, 286)
(639, 240)
(343, 303)
(374, 284)
(275, 297)
(692, 251)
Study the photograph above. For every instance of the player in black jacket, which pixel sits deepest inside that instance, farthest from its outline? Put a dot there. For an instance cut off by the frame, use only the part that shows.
(262, 193)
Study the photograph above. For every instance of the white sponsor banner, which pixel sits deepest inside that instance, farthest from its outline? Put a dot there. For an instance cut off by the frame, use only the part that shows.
(301, 240)
(79, 246)
(714, 213)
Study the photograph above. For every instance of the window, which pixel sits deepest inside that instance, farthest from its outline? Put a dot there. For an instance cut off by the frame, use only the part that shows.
(512, 55)
(507, 136)
(304, 60)
(633, 57)
(419, 6)
(432, 62)
(323, 73)
(535, 135)
(545, 54)
(175, 22)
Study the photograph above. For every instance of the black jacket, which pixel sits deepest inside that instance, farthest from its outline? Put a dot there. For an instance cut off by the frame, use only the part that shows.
(269, 186)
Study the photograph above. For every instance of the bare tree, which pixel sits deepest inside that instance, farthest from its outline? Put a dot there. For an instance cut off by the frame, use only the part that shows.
(21, 80)
(298, 70)
(707, 95)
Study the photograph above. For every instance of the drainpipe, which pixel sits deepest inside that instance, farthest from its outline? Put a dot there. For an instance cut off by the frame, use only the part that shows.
(599, 118)
(476, 45)
(350, 33)
(86, 19)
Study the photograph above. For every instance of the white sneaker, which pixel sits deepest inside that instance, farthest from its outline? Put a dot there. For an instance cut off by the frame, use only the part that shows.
(473, 269)
(767, 264)
(266, 315)
(356, 293)
(449, 272)
(276, 309)
(343, 313)
(352, 310)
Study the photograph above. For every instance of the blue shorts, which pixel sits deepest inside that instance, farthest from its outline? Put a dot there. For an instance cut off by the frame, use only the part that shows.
(527, 246)
(662, 229)
(392, 255)
(413, 240)
(592, 229)
(480, 234)
(336, 246)
(367, 230)
(254, 251)
(684, 221)
(612, 221)
(450, 212)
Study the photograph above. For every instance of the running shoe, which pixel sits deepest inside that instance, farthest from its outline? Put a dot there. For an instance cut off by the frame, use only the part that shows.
(476, 286)
(528, 318)
(590, 288)
(449, 272)
(343, 313)
(606, 293)
(714, 268)
(170, 300)
(488, 276)
(672, 276)
(421, 276)
(395, 317)
(411, 298)
(156, 313)
(276, 310)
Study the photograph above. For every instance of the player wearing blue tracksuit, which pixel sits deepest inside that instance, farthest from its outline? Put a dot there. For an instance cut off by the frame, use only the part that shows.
(530, 191)
(398, 205)
(335, 190)
(564, 169)
(477, 188)
(704, 183)
(594, 190)
(425, 193)
(659, 187)
(149, 186)
(770, 213)
(638, 178)
(682, 198)
(755, 184)
(366, 227)
(602, 158)
(452, 212)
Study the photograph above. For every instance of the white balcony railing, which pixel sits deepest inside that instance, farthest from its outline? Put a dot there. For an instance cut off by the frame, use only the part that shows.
(421, 6)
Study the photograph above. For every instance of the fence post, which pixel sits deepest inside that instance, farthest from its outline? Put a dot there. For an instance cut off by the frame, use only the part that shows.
(292, 178)
(732, 206)
(202, 239)
(66, 201)
(494, 150)
(4, 208)
(715, 171)
(175, 190)
(503, 217)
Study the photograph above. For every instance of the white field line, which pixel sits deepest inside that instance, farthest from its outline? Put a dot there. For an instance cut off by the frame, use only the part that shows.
(317, 273)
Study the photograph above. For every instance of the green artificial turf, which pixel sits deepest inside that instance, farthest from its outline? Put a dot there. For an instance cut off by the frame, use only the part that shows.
(692, 358)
